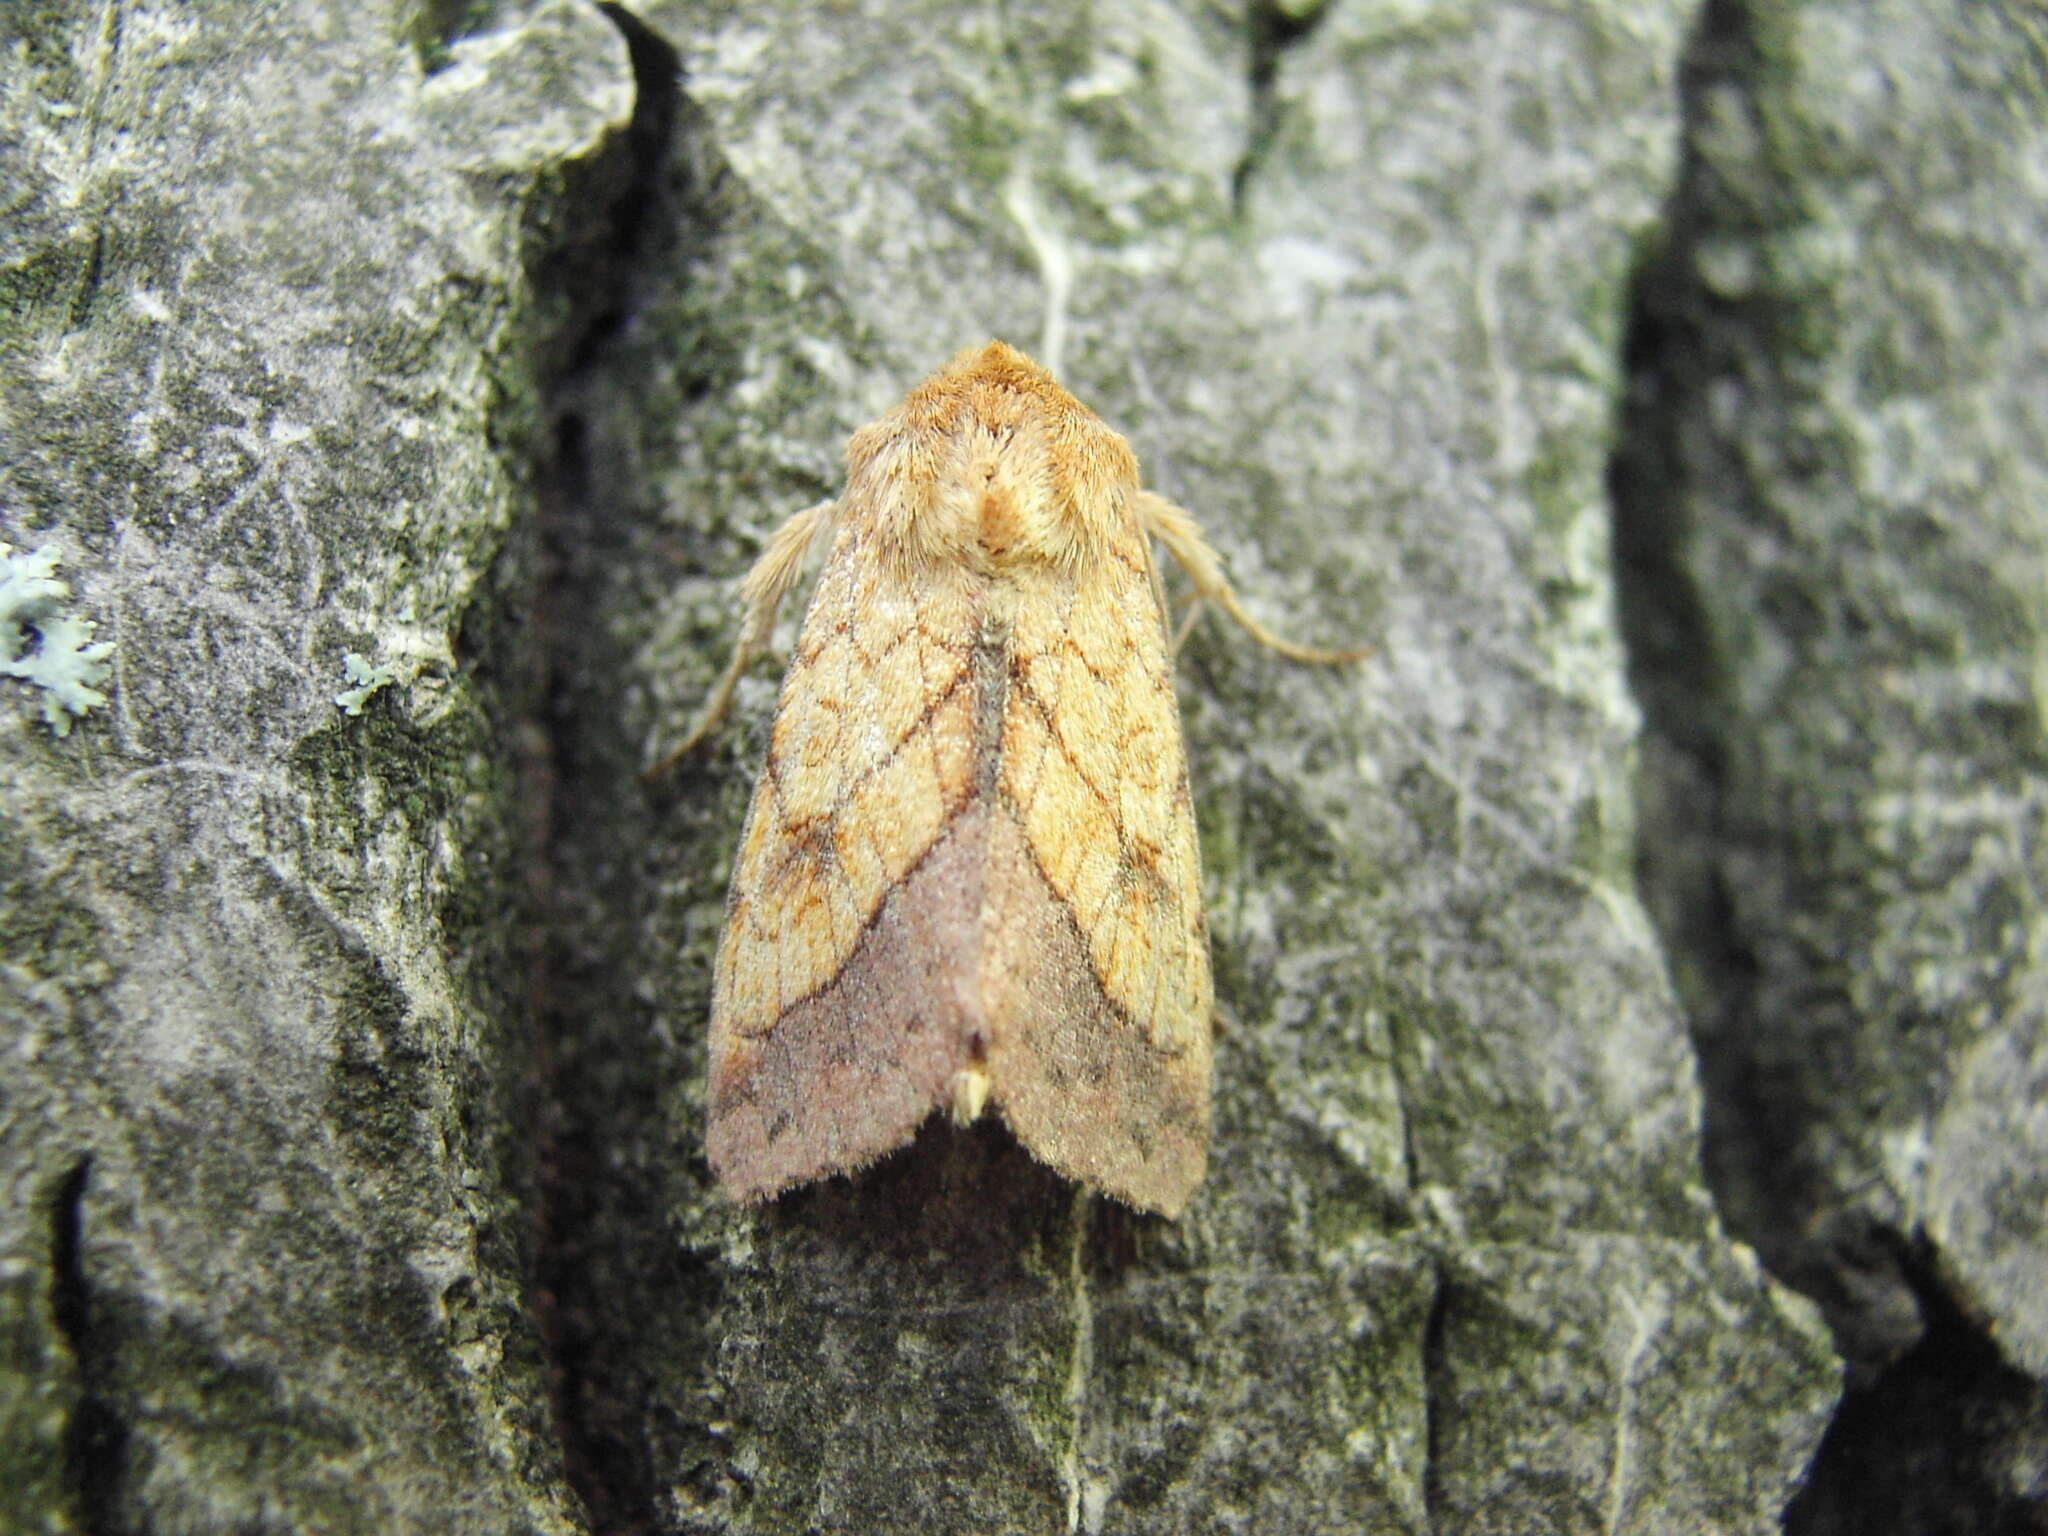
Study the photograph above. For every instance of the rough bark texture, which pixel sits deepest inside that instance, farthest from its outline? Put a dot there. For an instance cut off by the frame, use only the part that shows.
(266, 376)
(488, 353)
(1831, 521)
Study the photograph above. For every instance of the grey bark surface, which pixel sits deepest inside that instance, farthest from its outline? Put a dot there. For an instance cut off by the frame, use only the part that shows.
(1831, 517)
(266, 347)
(352, 1123)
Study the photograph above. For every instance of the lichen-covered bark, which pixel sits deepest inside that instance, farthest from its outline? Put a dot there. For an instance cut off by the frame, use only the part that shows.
(1832, 522)
(307, 354)
(266, 361)
(1356, 292)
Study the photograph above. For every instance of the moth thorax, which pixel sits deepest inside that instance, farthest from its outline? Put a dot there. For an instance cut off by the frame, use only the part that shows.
(1000, 527)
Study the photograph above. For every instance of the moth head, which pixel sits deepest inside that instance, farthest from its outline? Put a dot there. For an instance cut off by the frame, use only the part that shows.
(990, 463)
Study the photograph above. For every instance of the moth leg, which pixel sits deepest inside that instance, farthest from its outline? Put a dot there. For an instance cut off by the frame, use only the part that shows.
(780, 567)
(1177, 632)
(1186, 627)
(1183, 539)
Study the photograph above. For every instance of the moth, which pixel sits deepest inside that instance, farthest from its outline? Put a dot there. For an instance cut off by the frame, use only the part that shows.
(969, 873)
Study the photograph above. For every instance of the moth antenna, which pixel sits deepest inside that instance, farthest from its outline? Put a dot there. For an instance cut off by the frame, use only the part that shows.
(1182, 536)
(780, 568)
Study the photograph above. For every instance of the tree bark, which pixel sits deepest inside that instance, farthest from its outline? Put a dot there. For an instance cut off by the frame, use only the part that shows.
(268, 387)
(353, 1120)
(1829, 512)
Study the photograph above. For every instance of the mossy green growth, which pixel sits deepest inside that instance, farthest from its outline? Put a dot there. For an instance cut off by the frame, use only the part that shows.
(438, 25)
(38, 1396)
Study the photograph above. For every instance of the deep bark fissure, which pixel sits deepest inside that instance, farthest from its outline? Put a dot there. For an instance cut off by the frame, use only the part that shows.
(1270, 31)
(1436, 1396)
(1917, 1446)
(1675, 670)
(605, 1459)
(95, 1437)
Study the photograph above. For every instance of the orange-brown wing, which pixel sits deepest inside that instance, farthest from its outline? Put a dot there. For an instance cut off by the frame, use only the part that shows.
(844, 979)
(1095, 970)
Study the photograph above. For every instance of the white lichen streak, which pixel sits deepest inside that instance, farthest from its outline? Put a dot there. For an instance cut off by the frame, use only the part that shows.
(1647, 1313)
